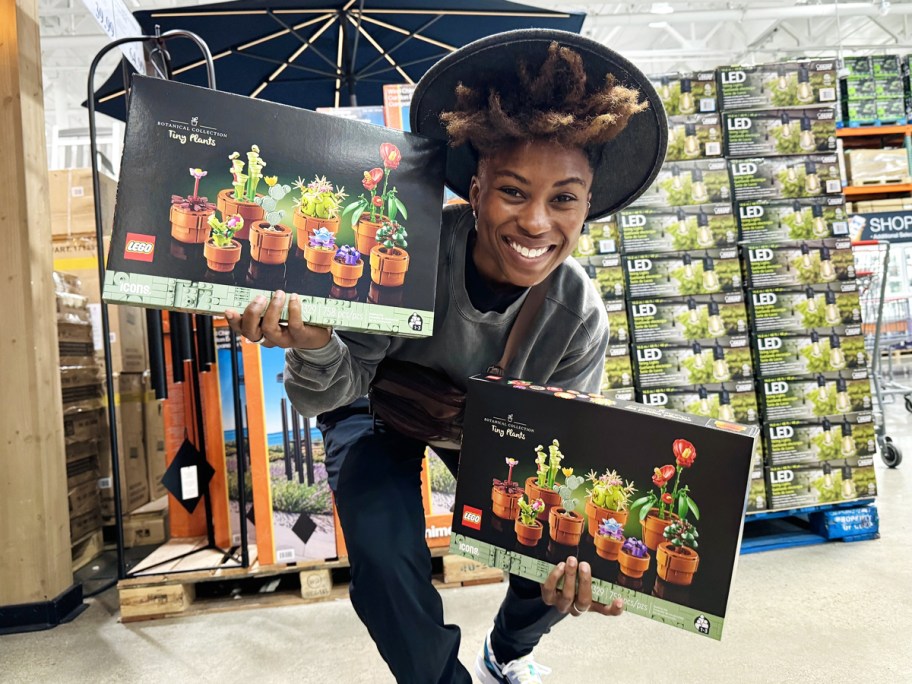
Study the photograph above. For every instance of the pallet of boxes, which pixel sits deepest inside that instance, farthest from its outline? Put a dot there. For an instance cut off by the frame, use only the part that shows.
(140, 429)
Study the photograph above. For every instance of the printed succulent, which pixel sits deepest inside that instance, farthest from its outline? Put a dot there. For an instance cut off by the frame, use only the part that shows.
(609, 490)
(528, 512)
(323, 239)
(270, 202)
(392, 235)
(348, 255)
(318, 198)
(682, 534)
(609, 527)
(223, 231)
(565, 491)
(635, 548)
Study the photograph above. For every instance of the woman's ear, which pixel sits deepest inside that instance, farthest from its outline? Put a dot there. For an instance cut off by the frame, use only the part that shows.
(474, 191)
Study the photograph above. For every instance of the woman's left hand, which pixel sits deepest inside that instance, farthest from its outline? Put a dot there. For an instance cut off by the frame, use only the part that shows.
(577, 602)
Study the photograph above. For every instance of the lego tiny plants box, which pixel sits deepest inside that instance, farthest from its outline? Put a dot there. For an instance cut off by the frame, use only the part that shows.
(778, 132)
(658, 516)
(790, 84)
(798, 219)
(223, 198)
(785, 177)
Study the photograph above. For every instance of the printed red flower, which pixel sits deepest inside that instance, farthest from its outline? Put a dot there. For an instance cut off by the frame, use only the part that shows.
(377, 200)
(372, 178)
(662, 475)
(391, 155)
(684, 452)
(666, 498)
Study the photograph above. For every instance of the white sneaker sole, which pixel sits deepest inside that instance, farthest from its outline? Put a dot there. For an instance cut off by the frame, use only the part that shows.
(482, 673)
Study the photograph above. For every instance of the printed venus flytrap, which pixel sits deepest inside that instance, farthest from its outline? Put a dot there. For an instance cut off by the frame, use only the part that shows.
(240, 198)
(190, 215)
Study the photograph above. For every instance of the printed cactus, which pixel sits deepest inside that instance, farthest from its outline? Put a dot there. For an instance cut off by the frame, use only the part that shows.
(270, 201)
(318, 198)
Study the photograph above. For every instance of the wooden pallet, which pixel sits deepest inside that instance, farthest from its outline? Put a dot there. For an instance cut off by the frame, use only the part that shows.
(880, 180)
(208, 582)
(87, 549)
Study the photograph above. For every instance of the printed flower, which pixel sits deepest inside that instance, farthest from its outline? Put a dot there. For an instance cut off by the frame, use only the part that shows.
(538, 506)
(567, 471)
(198, 173)
(391, 155)
(234, 221)
(684, 452)
(662, 475)
(666, 498)
(512, 462)
(377, 200)
(271, 180)
(372, 178)
(609, 527)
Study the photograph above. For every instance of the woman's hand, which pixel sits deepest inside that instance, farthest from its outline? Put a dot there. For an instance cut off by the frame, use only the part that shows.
(260, 322)
(577, 602)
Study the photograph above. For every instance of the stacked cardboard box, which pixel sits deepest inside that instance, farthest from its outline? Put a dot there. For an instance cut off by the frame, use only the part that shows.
(873, 90)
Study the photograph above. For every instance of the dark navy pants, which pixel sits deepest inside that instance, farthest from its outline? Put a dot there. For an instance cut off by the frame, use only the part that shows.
(375, 474)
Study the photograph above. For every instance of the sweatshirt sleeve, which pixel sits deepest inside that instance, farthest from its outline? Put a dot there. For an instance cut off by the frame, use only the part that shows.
(583, 371)
(319, 380)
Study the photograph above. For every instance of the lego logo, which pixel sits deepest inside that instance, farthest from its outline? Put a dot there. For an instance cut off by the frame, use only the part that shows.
(138, 247)
(471, 517)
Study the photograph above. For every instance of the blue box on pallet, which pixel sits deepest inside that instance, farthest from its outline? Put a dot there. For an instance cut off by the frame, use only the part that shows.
(846, 522)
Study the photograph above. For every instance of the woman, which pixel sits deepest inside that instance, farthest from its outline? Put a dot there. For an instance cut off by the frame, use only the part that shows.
(544, 137)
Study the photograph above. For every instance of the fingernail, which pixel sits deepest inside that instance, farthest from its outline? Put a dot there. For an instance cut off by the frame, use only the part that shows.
(293, 297)
(260, 299)
(560, 566)
(279, 295)
(571, 562)
(229, 314)
(584, 567)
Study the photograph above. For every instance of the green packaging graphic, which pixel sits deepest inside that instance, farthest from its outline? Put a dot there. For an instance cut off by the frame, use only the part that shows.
(618, 369)
(686, 183)
(776, 132)
(860, 110)
(802, 398)
(687, 93)
(857, 66)
(810, 353)
(598, 237)
(682, 273)
(859, 87)
(757, 495)
(793, 84)
(618, 325)
(698, 136)
(811, 262)
(607, 274)
(662, 364)
(654, 229)
(793, 442)
(891, 109)
(694, 318)
(889, 87)
(814, 307)
(799, 219)
(829, 482)
(735, 402)
(886, 65)
(785, 177)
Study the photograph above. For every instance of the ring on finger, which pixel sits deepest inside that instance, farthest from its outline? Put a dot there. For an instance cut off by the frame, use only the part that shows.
(579, 611)
(260, 341)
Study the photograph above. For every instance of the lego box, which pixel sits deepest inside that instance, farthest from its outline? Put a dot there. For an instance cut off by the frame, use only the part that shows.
(524, 502)
(813, 262)
(695, 318)
(598, 237)
(815, 307)
(694, 137)
(803, 398)
(671, 229)
(688, 93)
(735, 402)
(662, 364)
(808, 353)
(794, 442)
(826, 483)
(792, 84)
(778, 132)
(207, 217)
(785, 177)
(675, 274)
(680, 184)
(799, 219)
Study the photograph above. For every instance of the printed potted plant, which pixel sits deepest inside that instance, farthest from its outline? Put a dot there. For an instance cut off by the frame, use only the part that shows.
(190, 214)
(367, 211)
(347, 266)
(388, 259)
(317, 207)
(320, 251)
(270, 241)
(564, 523)
(608, 498)
(528, 528)
(541, 486)
(608, 539)
(239, 199)
(505, 495)
(676, 558)
(657, 510)
(634, 558)
(222, 251)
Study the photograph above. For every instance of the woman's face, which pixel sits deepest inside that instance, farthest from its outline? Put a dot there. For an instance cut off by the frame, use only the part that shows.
(531, 201)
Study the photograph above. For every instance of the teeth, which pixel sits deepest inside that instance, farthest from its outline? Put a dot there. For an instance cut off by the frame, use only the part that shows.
(526, 252)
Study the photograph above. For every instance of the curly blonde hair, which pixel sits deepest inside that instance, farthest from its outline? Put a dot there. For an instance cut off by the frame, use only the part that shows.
(552, 104)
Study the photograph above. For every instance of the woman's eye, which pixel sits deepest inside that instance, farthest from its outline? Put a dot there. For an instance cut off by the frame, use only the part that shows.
(512, 192)
(565, 198)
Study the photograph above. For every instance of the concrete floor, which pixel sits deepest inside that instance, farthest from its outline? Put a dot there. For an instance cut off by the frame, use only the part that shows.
(827, 613)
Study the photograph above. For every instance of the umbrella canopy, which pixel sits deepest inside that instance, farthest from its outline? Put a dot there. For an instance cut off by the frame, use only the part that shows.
(313, 53)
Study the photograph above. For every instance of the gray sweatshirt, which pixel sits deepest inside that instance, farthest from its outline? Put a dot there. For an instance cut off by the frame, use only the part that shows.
(565, 345)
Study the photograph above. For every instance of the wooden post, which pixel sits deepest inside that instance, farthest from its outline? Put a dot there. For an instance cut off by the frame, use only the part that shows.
(35, 563)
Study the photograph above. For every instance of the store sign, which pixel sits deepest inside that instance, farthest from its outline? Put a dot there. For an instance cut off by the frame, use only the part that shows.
(117, 21)
(893, 226)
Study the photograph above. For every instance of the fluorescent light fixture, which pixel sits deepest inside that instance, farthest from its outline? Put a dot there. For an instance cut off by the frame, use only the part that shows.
(658, 24)
(661, 8)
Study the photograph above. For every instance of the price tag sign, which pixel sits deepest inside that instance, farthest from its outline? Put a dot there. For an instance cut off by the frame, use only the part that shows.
(117, 22)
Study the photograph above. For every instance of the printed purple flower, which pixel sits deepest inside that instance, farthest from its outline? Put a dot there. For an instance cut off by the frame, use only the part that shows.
(233, 221)
(538, 505)
(348, 255)
(322, 239)
(635, 548)
(609, 527)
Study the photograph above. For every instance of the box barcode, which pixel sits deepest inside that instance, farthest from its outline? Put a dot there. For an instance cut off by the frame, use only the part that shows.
(105, 483)
(285, 555)
(707, 104)
(834, 186)
(827, 94)
(713, 149)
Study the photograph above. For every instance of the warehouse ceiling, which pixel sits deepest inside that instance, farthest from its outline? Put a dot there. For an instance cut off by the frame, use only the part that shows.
(658, 36)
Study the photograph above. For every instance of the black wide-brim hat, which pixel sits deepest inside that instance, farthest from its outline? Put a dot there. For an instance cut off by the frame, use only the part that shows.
(629, 163)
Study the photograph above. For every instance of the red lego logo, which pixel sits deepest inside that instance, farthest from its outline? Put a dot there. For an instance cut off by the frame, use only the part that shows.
(140, 247)
(471, 517)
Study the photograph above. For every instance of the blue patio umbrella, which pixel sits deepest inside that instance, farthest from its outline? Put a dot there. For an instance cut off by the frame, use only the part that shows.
(313, 53)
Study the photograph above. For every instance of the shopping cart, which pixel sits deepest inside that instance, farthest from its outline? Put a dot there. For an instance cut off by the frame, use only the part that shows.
(886, 326)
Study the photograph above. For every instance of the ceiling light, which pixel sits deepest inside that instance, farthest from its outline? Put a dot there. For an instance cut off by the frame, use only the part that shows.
(661, 8)
(658, 24)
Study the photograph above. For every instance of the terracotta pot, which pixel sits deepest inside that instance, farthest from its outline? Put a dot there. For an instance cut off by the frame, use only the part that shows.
(566, 527)
(269, 246)
(345, 293)
(251, 212)
(384, 296)
(607, 547)
(595, 515)
(366, 233)
(388, 266)
(319, 260)
(654, 527)
(222, 259)
(189, 226)
(676, 566)
(549, 496)
(345, 275)
(306, 225)
(505, 505)
(528, 535)
(633, 566)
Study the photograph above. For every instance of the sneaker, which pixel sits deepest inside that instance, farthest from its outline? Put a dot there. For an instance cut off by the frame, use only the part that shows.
(520, 671)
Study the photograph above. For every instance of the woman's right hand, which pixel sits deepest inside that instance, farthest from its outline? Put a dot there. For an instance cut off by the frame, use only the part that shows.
(261, 322)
